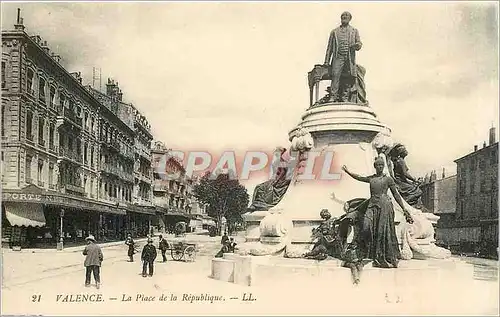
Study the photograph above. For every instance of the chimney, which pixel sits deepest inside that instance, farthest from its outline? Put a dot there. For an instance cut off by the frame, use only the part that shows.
(484, 144)
(475, 148)
(433, 176)
(110, 87)
(492, 135)
(120, 95)
(19, 22)
(443, 175)
(45, 47)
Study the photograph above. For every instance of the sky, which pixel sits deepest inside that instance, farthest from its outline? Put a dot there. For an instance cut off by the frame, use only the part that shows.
(216, 76)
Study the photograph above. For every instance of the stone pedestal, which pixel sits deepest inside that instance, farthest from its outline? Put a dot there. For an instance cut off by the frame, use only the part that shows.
(348, 131)
(252, 221)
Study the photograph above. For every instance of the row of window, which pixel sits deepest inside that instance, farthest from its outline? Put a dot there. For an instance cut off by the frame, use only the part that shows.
(4, 79)
(481, 163)
(112, 191)
(484, 207)
(64, 102)
(69, 177)
(485, 185)
(39, 175)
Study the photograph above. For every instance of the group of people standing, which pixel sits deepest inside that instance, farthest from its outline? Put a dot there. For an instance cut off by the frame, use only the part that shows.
(94, 257)
(149, 253)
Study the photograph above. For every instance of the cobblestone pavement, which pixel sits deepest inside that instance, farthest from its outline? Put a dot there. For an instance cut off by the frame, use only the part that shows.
(37, 283)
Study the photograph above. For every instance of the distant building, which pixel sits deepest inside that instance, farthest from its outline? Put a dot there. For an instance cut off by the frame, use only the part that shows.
(173, 192)
(439, 197)
(474, 225)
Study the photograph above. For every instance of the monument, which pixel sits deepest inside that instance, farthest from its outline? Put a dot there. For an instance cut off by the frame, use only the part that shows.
(286, 212)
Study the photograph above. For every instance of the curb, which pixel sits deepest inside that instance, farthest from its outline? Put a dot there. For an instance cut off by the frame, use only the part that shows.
(70, 249)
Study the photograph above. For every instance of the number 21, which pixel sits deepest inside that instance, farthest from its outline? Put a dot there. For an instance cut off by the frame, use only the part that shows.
(36, 298)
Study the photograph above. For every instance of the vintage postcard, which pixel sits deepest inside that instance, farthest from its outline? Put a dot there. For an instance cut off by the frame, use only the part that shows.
(249, 158)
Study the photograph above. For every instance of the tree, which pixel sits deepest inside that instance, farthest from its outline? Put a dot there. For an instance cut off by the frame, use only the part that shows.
(225, 197)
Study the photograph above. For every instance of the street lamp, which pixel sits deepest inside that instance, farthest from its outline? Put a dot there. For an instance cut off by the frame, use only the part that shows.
(60, 244)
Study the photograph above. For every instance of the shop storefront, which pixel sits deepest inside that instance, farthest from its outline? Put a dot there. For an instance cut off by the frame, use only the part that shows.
(140, 221)
(172, 218)
(35, 218)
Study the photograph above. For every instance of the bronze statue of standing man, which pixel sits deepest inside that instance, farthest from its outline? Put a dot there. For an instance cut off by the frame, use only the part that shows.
(341, 55)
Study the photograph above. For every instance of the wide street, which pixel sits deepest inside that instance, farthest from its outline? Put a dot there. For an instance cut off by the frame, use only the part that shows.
(37, 283)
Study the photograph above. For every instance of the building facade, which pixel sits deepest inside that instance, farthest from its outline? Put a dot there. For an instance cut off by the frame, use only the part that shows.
(67, 157)
(477, 197)
(173, 192)
(439, 197)
(473, 226)
(124, 173)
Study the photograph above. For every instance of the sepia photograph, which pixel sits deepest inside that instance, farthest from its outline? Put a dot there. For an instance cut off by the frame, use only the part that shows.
(208, 158)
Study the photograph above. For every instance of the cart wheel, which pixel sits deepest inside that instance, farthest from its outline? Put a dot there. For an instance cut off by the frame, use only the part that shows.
(189, 253)
(177, 254)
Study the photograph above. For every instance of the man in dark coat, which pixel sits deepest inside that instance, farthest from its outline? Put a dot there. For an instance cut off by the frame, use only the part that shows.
(163, 246)
(226, 248)
(224, 239)
(93, 260)
(131, 247)
(148, 257)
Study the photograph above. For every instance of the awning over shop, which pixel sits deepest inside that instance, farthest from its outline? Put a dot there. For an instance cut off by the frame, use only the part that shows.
(179, 214)
(142, 210)
(25, 215)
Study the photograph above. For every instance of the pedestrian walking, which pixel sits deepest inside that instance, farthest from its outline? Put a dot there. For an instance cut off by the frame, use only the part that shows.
(148, 257)
(93, 260)
(163, 246)
(131, 247)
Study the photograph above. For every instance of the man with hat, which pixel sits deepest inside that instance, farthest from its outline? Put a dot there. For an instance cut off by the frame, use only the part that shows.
(93, 260)
(163, 246)
(148, 257)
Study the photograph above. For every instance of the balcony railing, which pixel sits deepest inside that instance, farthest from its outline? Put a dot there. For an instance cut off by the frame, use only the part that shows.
(41, 142)
(71, 155)
(52, 148)
(67, 115)
(110, 169)
(126, 151)
(74, 188)
(157, 186)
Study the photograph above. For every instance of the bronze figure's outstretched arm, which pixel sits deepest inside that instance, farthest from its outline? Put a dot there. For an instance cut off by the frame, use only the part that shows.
(357, 177)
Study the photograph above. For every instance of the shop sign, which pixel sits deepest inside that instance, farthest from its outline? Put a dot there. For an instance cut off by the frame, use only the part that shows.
(55, 200)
